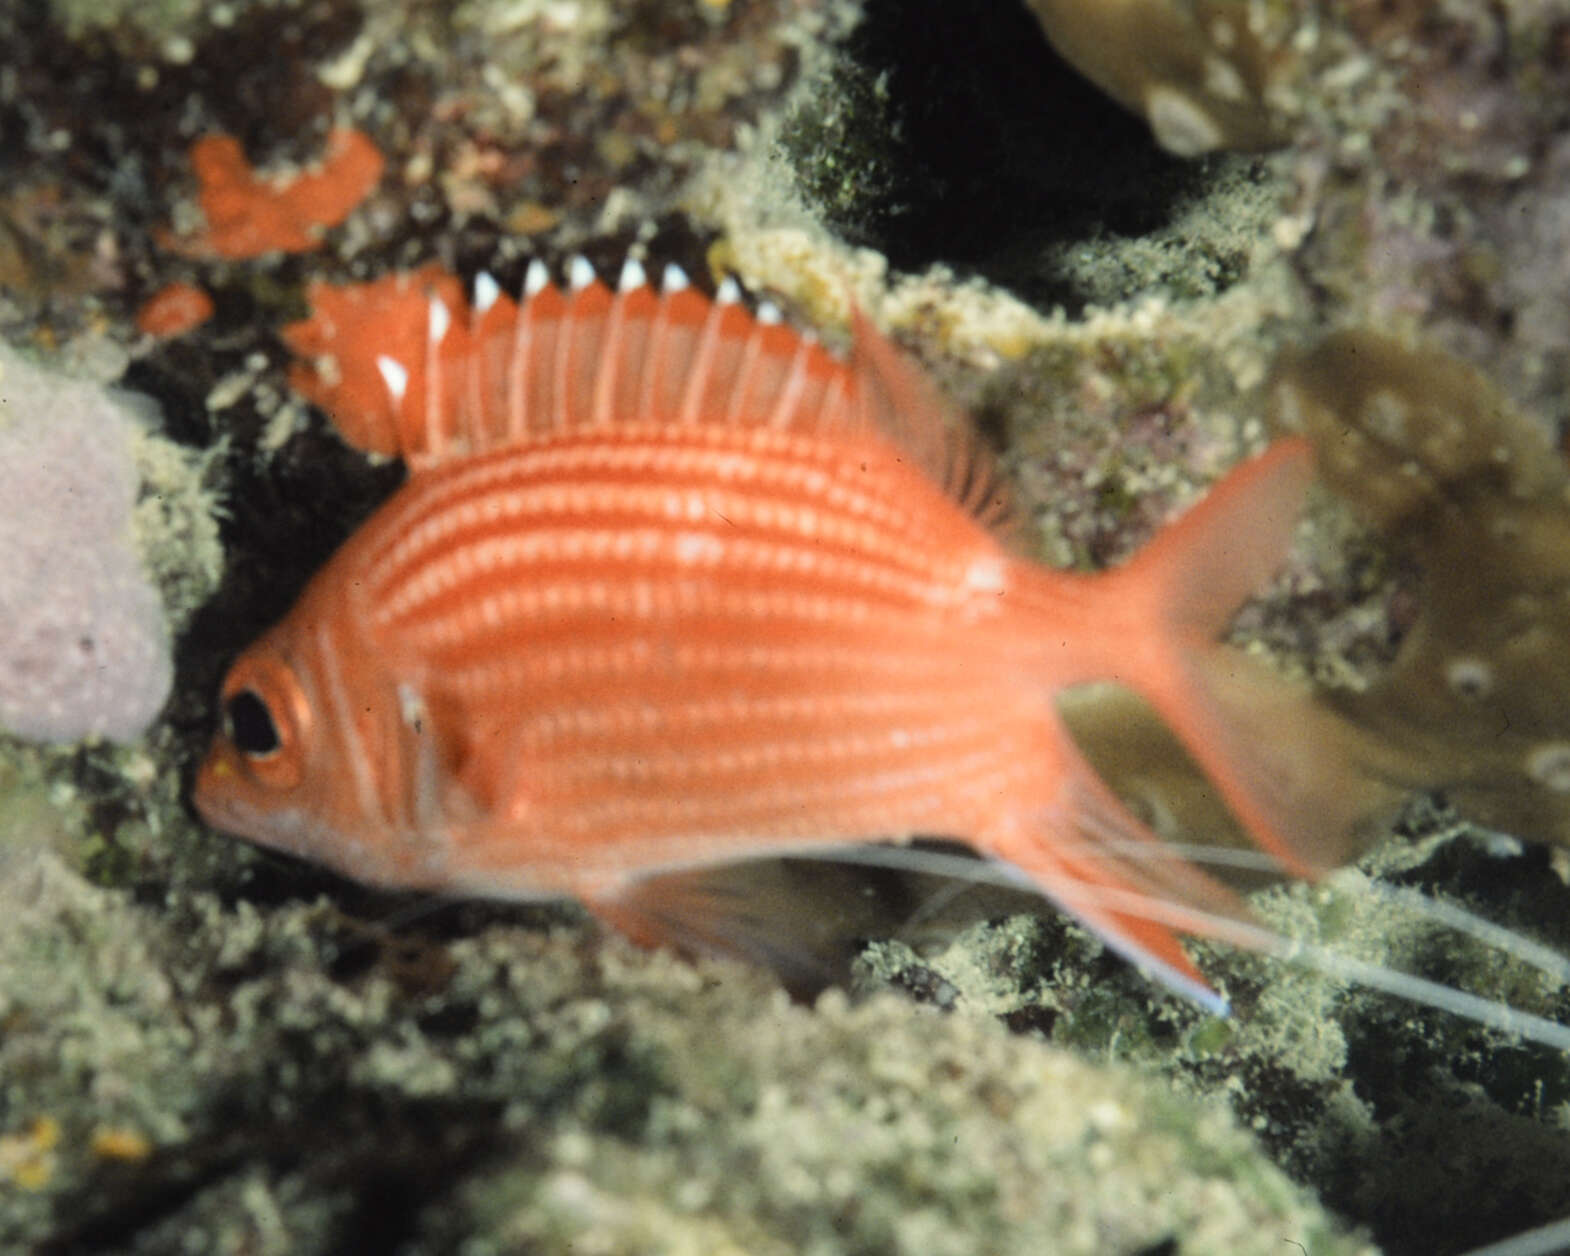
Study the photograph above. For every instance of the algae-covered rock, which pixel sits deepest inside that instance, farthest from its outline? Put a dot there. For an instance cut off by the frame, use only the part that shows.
(1200, 73)
(293, 1080)
(1477, 701)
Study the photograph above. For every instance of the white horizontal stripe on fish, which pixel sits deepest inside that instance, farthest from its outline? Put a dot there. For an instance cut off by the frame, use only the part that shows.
(447, 584)
(623, 662)
(883, 710)
(437, 505)
(894, 801)
(555, 604)
(689, 766)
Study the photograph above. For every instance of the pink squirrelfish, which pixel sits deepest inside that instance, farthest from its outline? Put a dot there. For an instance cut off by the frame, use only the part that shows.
(670, 586)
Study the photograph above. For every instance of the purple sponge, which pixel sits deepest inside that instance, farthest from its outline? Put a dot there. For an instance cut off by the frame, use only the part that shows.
(83, 644)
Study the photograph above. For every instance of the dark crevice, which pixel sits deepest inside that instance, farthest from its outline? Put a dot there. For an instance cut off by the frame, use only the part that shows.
(988, 148)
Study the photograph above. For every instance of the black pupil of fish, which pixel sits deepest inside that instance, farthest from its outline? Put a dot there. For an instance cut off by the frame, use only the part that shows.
(251, 726)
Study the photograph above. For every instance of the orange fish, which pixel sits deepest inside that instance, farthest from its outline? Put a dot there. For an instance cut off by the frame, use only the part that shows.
(670, 586)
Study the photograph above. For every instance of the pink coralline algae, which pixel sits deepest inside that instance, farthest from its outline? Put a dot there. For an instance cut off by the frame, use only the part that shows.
(84, 648)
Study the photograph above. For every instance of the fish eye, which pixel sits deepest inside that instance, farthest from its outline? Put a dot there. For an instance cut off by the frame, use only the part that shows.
(250, 726)
(265, 719)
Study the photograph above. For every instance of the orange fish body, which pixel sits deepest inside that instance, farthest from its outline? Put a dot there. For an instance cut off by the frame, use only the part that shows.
(669, 586)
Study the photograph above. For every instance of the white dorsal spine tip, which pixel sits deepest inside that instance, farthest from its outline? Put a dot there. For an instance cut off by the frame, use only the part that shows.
(486, 291)
(728, 293)
(769, 313)
(440, 320)
(580, 273)
(673, 278)
(395, 375)
(633, 276)
(536, 279)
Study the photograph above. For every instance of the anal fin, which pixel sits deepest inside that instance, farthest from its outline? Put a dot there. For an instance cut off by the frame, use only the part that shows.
(1092, 857)
(804, 916)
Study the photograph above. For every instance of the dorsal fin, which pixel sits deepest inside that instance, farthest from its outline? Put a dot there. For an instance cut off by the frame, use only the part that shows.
(406, 366)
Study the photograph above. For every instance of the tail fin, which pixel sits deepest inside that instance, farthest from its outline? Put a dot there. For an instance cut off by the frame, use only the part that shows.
(1292, 773)
(1299, 778)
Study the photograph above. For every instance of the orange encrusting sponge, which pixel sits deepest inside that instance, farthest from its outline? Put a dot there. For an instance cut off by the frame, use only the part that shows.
(173, 310)
(250, 214)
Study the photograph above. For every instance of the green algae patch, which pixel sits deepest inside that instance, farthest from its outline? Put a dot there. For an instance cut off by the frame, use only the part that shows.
(524, 1085)
(1384, 1105)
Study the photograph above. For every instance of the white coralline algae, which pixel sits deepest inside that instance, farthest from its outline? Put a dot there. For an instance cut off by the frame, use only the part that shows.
(84, 648)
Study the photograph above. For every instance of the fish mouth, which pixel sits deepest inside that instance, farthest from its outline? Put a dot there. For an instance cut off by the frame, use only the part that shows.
(284, 830)
(217, 798)
(212, 794)
(220, 798)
